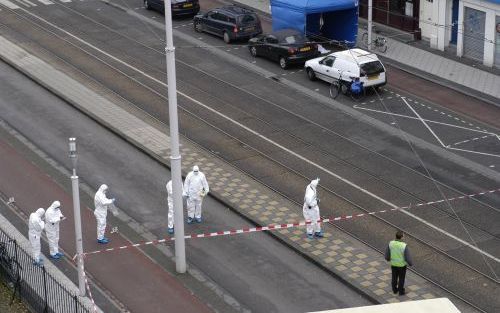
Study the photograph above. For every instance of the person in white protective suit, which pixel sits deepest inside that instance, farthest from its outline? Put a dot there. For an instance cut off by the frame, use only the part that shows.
(170, 200)
(311, 210)
(53, 217)
(102, 203)
(36, 226)
(195, 188)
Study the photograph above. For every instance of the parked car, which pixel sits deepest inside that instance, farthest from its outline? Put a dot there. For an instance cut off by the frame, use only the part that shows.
(287, 46)
(179, 7)
(351, 63)
(229, 22)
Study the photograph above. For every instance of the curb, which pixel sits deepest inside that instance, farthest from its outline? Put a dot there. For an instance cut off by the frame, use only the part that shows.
(162, 162)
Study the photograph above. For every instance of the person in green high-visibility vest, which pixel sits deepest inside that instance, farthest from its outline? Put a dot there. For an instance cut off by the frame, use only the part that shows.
(398, 254)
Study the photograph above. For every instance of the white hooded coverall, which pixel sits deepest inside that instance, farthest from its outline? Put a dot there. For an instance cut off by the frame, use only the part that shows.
(36, 226)
(170, 201)
(101, 203)
(195, 188)
(53, 216)
(311, 208)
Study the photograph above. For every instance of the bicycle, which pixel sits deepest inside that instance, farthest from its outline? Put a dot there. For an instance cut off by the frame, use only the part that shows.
(380, 42)
(353, 88)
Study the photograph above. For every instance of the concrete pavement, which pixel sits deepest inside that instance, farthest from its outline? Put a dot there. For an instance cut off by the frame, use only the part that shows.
(347, 258)
(142, 285)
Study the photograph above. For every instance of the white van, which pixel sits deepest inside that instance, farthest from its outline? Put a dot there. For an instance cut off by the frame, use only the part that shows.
(351, 64)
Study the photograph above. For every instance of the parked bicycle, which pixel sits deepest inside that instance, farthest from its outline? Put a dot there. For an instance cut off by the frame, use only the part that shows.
(379, 43)
(353, 88)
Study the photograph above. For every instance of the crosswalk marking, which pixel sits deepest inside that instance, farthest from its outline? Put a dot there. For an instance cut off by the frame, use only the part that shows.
(26, 3)
(9, 4)
(46, 2)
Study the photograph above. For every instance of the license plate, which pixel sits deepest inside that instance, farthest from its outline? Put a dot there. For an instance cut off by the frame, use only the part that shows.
(187, 5)
(249, 29)
(305, 49)
(372, 77)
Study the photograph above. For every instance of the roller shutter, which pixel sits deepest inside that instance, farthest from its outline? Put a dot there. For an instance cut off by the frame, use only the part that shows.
(474, 27)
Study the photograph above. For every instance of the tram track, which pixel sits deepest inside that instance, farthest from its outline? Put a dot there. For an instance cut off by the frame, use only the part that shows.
(299, 175)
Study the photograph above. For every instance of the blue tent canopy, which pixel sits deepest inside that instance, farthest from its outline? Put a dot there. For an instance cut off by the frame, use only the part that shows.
(333, 19)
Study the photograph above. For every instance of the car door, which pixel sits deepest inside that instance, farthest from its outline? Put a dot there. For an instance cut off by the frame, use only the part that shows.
(260, 45)
(156, 4)
(271, 42)
(209, 21)
(220, 23)
(325, 70)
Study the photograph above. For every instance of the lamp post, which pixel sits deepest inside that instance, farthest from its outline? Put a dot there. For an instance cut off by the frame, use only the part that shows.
(370, 23)
(175, 157)
(76, 213)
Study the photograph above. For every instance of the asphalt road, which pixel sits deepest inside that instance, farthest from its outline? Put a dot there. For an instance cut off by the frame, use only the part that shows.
(262, 274)
(381, 145)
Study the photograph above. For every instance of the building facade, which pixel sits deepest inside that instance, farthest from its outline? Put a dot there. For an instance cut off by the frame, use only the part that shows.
(472, 26)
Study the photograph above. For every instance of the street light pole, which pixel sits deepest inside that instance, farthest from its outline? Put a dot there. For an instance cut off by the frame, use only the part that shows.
(370, 9)
(76, 213)
(175, 157)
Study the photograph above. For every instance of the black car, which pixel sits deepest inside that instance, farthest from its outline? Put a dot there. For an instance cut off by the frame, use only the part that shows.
(179, 7)
(229, 22)
(286, 46)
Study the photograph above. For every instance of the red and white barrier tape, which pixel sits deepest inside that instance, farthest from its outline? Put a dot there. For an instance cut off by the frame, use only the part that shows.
(87, 286)
(281, 226)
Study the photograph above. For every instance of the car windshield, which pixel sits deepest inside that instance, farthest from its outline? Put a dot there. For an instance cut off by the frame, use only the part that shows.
(371, 68)
(292, 39)
(247, 19)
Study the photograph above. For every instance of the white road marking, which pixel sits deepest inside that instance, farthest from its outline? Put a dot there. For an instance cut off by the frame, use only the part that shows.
(304, 159)
(476, 152)
(46, 2)
(430, 121)
(423, 122)
(9, 4)
(27, 3)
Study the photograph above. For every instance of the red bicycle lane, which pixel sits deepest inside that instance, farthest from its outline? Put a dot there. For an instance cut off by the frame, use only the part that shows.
(130, 276)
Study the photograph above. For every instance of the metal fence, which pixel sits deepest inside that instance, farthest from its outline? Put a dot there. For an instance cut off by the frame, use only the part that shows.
(38, 288)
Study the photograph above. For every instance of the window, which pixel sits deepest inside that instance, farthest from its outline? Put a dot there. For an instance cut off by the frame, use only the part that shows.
(293, 39)
(371, 68)
(221, 17)
(212, 15)
(271, 39)
(328, 61)
(247, 18)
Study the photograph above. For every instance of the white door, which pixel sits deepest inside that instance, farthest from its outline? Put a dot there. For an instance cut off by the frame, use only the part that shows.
(325, 69)
(427, 18)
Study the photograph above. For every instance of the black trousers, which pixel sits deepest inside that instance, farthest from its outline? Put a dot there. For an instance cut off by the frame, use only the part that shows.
(398, 279)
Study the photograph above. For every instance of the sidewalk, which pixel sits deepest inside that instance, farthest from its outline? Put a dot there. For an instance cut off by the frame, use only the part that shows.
(137, 282)
(355, 263)
(443, 68)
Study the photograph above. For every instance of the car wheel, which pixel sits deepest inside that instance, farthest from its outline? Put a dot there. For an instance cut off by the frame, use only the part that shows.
(253, 51)
(310, 73)
(283, 63)
(197, 27)
(147, 5)
(226, 38)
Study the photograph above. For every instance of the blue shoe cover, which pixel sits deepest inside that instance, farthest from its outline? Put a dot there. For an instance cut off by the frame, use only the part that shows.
(170, 230)
(198, 220)
(310, 236)
(319, 234)
(189, 220)
(60, 254)
(55, 256)
(103, 241)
